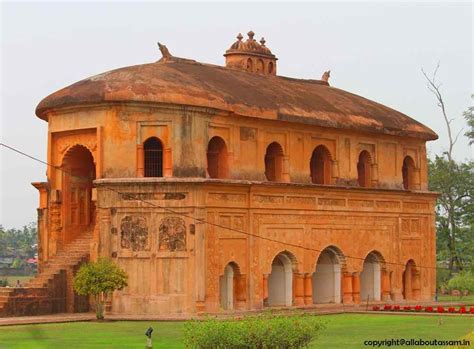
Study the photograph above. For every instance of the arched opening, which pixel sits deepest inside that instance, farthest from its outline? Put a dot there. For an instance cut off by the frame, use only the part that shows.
(229, 286)
(320, 165)
(274, 162)
(371, 278)
(363, 169)
(280, 281)
(249, 65)
(217, 166)
(78, 208)
(408, 172)
(327, 277)
(410, 281)
(270, 68)
(153, 150)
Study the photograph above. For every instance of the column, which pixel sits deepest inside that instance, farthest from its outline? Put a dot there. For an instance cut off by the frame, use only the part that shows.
(356, 287)
(241, 291)
(265, 289)
(70, 291)
(299, 289)
(347, 288)
(385, 286)
(167, 163)
(308, 289)
(416, 285)
(140, 161)
(286, 169)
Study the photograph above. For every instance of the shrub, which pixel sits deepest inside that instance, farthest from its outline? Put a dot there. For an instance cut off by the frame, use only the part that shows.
(472, 310)
(429, 309)
(440, 309)
(407, 308)
(418, 308)
(4, 282)
(387, 307)
(396, 307)
(462, 310)
(463, 282)
(264, 331)
(375, 307)
(451, 309)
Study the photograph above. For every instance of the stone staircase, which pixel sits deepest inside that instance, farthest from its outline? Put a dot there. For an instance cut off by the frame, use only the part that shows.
(47, 292)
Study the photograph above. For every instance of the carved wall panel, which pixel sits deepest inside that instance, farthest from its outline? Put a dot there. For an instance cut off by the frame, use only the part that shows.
(134, 233)
(172, 234)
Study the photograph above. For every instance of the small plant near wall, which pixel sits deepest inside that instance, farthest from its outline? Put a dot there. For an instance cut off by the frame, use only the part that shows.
(97, 279)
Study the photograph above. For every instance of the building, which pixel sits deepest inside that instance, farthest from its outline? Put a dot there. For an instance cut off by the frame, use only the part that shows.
(230, 187)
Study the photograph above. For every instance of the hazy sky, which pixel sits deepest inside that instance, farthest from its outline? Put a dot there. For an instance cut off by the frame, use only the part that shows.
(373, 49)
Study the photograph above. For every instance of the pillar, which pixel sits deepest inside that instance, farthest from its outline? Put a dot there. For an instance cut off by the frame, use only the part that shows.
(265, 290)
(299, 289)
(241, 291)
(140, 161)
(286, 169)
(308, 289)
(347, 288)
(69, 291)
(416, 285)
(167, 163)
(356, 287)
(385, 286)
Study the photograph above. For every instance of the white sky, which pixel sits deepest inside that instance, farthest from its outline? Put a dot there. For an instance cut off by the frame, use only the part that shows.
(373, 49)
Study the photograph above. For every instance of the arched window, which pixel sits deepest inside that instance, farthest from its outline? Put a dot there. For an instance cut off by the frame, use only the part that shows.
(270, 68)
(249, 65)
(217, 158)
(408, 173)
(274, 162)
(153, 149)
(363, 169)
(320, 165)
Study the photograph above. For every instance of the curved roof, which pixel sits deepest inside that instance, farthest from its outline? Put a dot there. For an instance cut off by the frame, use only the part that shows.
(186, 82)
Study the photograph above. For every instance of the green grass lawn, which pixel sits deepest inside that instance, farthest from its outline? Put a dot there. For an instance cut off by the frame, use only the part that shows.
(342, 331)
(12, 279)
(468, 300)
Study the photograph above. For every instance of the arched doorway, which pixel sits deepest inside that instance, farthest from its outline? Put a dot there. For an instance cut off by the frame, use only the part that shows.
(411, 280)
(78, 174)
(408, 173)
(371, 278)
(320, 165)
(363, 169)
(217, 166)
(153, 152)
(274, 162)
(327, 277)
(280, 281)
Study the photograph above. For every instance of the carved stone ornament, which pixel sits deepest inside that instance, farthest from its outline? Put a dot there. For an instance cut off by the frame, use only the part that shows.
(172, 234)
(134, 233)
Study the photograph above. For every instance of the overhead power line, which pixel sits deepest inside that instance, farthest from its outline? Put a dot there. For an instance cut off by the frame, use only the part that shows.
(203, 221)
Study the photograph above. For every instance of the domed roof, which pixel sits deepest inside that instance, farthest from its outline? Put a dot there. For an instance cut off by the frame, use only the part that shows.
(249, 46)
(186, 82)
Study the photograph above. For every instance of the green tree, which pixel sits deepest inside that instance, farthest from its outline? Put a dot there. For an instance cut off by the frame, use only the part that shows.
(97, 279)
(454, 211)
(469, 116)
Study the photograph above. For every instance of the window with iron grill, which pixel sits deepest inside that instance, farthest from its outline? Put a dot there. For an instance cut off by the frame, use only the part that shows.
(153, 150)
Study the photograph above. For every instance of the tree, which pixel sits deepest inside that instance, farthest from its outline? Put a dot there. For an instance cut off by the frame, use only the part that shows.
(469, 116)
(454, 211)
(97, 279)
(448, 177)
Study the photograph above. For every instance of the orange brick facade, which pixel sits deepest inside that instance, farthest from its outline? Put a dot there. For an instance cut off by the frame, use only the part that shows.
(235, 206)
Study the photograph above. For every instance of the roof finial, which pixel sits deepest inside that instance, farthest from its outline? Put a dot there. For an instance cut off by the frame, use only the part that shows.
(240, 37)
(262, 41)
(326, 76)
(250, 34)
(164, 51)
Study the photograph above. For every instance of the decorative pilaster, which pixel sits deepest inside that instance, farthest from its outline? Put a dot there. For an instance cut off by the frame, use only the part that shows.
(299, 289)
(385, 285)
(356, 287)
(265, 289)
(308, 289)
(241, 291)
(140, 161)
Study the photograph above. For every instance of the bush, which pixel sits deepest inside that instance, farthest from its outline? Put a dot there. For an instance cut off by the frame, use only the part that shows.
(4, 282)
(253, 332)
(463, 282)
